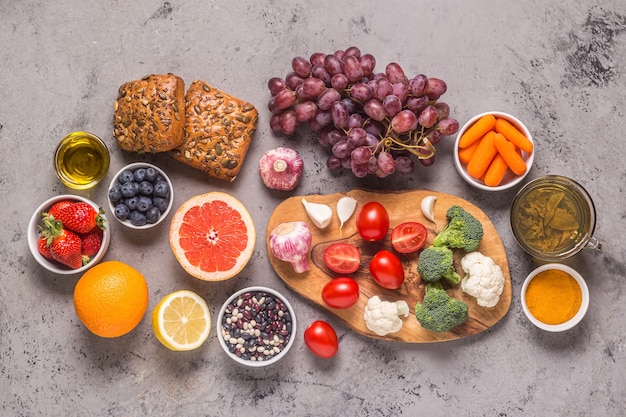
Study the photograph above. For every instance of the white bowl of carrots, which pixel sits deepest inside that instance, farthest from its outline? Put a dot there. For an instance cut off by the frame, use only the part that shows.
(494, 151)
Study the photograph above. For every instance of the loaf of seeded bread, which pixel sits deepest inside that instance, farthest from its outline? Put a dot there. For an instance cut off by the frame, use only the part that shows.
(218, 131)
(149, 114)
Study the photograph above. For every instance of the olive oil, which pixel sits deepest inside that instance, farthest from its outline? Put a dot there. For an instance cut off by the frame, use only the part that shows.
(81, 160)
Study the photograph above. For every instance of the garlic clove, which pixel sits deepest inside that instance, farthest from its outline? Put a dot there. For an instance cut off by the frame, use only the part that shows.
(428, 208)
(320, 214)
(281, 168)
(345, 209)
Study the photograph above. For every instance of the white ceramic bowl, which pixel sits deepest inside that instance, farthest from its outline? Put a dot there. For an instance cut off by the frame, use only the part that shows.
(133, 167)
(33, 237)
(223, 316)
(510, 180)
(583, 306)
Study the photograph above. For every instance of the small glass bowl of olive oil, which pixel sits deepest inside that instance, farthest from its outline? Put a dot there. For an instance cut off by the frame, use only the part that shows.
(553, 218)
(81, 160)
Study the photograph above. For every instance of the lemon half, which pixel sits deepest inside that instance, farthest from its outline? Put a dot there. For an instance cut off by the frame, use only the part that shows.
(181, 321)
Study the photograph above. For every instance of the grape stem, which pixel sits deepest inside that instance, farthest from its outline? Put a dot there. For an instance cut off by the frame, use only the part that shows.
(421, 151)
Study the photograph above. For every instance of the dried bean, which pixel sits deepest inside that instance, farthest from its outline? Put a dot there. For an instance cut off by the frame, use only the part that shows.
(256, 326)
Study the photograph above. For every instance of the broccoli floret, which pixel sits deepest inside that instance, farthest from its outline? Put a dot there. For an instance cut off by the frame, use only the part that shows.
(435, 263)
(463, 231)
(439, 312)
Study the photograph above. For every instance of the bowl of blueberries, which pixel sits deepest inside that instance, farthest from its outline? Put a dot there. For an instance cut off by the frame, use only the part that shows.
(140, 195)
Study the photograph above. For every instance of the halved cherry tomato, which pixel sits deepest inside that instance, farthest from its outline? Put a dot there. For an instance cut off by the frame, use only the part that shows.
(372, 221)
(342, 258)
(321, 339)
(342, 292)
(408, 237)
(387, 270)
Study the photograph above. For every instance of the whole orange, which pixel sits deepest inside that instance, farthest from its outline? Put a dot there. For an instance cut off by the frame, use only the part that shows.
(111, 298)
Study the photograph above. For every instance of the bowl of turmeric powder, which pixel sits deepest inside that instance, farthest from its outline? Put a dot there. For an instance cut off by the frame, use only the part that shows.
(494, 151)
(555, 297)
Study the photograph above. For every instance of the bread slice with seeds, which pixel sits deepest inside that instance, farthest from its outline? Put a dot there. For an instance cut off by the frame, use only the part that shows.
(218, 132)
(149, 114)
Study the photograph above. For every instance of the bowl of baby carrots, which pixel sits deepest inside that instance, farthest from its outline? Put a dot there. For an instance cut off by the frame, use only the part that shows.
(494, 151)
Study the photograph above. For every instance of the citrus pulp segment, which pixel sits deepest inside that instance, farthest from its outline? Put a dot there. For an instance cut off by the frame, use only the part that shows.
(212, 236)
(181, 321)
(111, 298)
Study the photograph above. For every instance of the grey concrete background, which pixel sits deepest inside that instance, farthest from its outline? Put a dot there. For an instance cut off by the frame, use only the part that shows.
(559, 66)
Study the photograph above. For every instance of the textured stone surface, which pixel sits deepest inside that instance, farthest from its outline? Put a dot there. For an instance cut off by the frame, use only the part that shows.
(559, 67)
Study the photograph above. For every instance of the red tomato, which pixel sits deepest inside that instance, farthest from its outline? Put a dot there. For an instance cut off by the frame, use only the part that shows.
(341, 292)
(387, 270)
(372, 221)
(321, 339)
(408, 237)
(342, 258)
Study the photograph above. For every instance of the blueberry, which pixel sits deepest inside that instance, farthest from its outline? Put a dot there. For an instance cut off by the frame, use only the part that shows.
(131, 203)
(126, 176)
(130, 189)
(153, 215)
(160, 203)
(122, 211)
(146, 188)
(115, 193)
(140, 174)
(151, 174)
(161, 189)
(137, 218)
(144, 204)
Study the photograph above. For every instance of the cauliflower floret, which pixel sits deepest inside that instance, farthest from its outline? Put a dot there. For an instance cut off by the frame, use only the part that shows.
(383, 317)
(483, 279)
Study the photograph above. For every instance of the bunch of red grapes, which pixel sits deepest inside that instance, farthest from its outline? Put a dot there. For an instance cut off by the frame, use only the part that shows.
(373, 123)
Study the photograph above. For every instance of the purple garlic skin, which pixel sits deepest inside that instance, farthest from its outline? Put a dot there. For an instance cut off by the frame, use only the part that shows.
(281, 168)
(291, 242)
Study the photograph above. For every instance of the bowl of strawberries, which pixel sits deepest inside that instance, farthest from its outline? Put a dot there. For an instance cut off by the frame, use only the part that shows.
(68, 234)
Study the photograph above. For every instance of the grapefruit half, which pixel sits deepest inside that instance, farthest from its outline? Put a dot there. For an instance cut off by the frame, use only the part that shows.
(212, 236)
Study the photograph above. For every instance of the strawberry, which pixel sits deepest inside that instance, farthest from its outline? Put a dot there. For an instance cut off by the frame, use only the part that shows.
(80, 217)
(65, 245)
(56, 207)
(92, 241)
(44, 249)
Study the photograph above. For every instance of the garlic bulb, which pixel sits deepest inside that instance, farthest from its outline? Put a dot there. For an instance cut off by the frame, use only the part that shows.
(291, 242)
(345, 208)
(281, 168)
(320, 214)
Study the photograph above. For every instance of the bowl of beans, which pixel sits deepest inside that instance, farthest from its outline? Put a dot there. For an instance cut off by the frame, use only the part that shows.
(256, 326)
(555, 297)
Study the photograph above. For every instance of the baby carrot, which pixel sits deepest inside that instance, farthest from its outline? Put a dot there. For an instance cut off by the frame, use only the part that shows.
(483, 155)
(509, 154)
(513, 135)
(477, 130)
(496, 171)
(465, 154)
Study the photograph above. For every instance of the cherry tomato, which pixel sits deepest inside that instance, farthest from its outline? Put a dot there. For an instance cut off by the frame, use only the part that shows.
(387, 270)
(372, 221)
(408, 237)
(342, 292)
(321, 339)
(342, 258)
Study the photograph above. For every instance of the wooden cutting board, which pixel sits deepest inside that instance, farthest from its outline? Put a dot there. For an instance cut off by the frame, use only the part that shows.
(402, 206)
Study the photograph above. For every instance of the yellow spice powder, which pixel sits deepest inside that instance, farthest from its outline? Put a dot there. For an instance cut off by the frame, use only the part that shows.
(553, 296)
